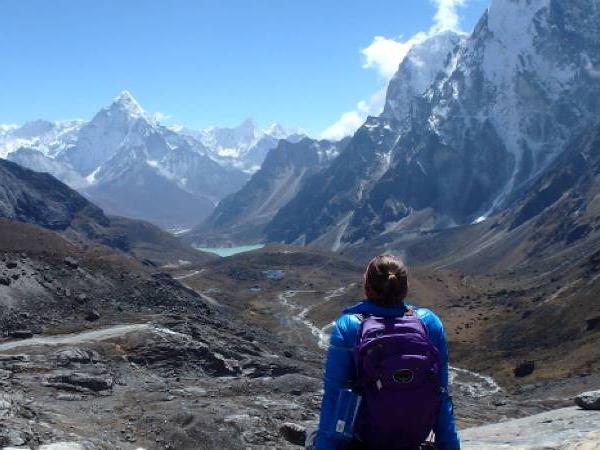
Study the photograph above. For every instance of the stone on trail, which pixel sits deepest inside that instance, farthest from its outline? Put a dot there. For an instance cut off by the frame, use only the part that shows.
(92, 316)
(589, 400)
(293, 433)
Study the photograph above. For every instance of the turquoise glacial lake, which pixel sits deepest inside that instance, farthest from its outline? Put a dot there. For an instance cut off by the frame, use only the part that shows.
(230, 251)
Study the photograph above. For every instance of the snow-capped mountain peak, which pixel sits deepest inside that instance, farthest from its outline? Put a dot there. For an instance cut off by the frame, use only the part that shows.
(418, 71)
(278, 131)
(48, 138)
(243, 146)
(6, 128)
(249, 125)
(468, 123)
(127, 103)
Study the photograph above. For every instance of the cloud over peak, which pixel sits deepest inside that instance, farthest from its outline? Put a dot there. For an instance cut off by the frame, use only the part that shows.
(385, 55)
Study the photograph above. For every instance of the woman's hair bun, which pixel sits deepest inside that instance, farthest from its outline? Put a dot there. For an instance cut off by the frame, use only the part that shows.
(386, 280)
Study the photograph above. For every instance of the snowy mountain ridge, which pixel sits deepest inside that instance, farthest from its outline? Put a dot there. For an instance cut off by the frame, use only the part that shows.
(244, 146)
(127, 162)
(49, 138)
(468, 122)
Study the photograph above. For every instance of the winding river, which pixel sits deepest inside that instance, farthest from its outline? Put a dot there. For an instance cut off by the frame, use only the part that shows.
(470, 383)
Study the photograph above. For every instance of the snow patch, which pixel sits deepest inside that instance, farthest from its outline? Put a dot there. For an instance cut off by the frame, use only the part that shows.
(91, 178)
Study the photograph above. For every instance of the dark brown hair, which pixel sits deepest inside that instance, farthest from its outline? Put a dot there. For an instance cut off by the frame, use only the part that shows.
(386, 280)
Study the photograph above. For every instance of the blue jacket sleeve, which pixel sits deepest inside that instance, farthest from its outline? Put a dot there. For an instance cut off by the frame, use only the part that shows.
(339, 372)
(445, 427)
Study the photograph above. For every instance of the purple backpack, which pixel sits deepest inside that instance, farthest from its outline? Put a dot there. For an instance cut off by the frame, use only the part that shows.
(398, 374)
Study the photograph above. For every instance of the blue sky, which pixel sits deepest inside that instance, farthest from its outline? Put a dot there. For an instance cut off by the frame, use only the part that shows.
(200, 63)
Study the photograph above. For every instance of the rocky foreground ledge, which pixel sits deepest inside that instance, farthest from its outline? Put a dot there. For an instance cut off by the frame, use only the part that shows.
(561, 429)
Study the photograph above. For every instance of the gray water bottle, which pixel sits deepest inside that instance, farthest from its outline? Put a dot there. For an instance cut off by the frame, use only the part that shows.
(347, 407)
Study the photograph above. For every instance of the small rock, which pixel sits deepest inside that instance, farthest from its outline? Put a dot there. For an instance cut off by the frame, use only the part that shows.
(195, 391)
(274, 275)
(293, 433)
(15, 276)
(82, 298)
(92, 315)
(593, 324)
(524, 369)
(589, 400)
(4, 281)
(20, 334)
(69, 397)
(5, 407)
(71, 262)
(14, 437)
(12, 264)
(76, 355)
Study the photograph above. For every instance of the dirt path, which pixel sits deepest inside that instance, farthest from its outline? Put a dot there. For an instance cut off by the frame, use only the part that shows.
(193, 273)
(102, 334)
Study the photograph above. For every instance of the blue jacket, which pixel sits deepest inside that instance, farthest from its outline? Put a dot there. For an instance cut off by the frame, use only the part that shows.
(340, 368)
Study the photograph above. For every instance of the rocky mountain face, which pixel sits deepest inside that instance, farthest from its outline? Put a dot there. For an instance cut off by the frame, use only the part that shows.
(454, 143)
(241, 217)
(534, 267)
(127, 163)
(40, 199)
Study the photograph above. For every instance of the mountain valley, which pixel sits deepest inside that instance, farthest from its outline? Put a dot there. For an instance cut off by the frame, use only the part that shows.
(482, 172)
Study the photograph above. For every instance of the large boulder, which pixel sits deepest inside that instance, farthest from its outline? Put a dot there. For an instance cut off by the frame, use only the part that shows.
(80, 381)
(68, 356)
(524, 369)
(588, 400)
(293, 433)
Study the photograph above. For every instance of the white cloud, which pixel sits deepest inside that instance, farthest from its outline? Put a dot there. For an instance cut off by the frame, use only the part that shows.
(446, 17)
(385, 55)
(160, 117)
(350, 121)
(347, 124)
